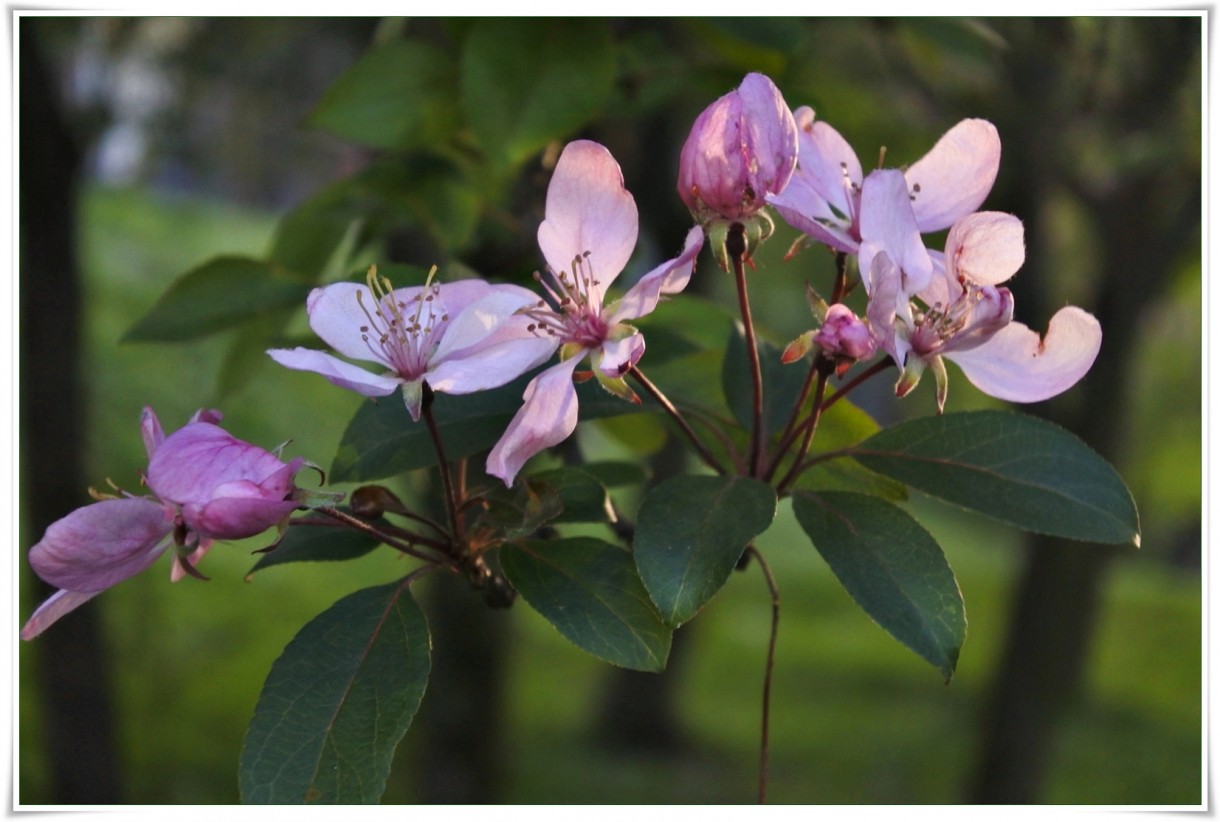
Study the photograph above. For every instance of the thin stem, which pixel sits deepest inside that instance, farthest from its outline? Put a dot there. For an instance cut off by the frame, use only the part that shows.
(872, 371)
(810, 426)
(647, 384)
(790, 430)
(451, 500)
(765, 746)
(735, 245)
(360, 525)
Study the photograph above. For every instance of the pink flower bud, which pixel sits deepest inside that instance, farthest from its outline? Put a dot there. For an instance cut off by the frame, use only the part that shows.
(226, 488)
(843, 334)
(740, 149)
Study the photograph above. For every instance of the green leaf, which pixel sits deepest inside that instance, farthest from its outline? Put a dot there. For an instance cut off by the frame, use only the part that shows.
(398, 95)
(382, 441)
(1019, 469)
(841, 426)
(582, 495)
(615, 474)
(528, 82)
(690, 533)
(316, 543)
(221, 293)
(781, 383)
(591, 592)
(892, 568)
(316, 237)
(337, 702)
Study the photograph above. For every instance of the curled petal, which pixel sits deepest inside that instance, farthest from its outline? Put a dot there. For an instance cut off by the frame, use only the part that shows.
(102, 544)
(547, 418)
(618, 356)
(238, 511)
(668, 278)
(337, 371)
(986, 247)
(150, 430)
(888, 224)
(55, 606)
(889, 309)
(809, 213)
(588, 210)
(1017, 366)
(177, 572)
(199, 458)
(954, 178)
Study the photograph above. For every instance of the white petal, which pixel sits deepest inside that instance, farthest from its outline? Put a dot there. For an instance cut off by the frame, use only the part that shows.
(473, 326)
(547, 418)
(491, 366)
(337, 315)
(954, 178)
(342, 374)
(1017, 366)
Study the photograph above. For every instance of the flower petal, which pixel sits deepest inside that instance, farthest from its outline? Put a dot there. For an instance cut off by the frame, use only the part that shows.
(1017, 366)
(491, 366)
(55, 606)
(954, 178)
(809, 213)
(150, 430)
(547, 418)
(667, 278)
(986, 247)
(588, 209)
(337, 371)
(770, 133)
(473, 325)
(197, 459)
(618, 356)
(337, 315)
(888, 224)
(828, 162)
(102, 544)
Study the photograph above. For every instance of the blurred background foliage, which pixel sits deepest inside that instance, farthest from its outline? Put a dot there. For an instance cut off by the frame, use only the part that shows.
(315, 146)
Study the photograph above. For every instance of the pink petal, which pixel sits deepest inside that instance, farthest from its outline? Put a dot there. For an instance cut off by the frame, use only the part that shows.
(987, 247)
(150, 430)
(491, 366)
(197, 459)
(588, 209)
(668, 278)
(1017, 366)
(547, 418)
(49, 612)
(889, 308)
(618, 356)
(176, 572)
(473, 325)
(809, 213)
(102, 544)
(954, 178)
(769, 132)
(207, 415)
(828, 162)
(337, 314)
(337, 371)
(237, 512)
(888, 224)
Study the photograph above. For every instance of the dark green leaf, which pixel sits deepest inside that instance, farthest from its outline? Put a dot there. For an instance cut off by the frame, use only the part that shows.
(781, 383)
(337, 702)
(219, 294)
(1014, 467)
(399, 95)
(517, 512)
(316, 543)
(617, 474)
(583, 496)
(892, 568)
(310, 240)
(590, 591)
(690, 533)
(526, 83)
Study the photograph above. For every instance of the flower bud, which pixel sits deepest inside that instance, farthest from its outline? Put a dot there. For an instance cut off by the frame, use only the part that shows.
(740, 149)
(845, 335)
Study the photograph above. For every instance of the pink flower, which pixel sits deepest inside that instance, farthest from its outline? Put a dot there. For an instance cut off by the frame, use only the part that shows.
(964, 317)
(208, 486)
(587, 238)
(741, 149)
(824, 198)
(844, 335)
(459, 337)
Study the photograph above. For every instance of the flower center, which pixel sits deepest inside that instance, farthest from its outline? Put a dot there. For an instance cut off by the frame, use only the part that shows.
(402, 333)
(966, 322)
(574, 313)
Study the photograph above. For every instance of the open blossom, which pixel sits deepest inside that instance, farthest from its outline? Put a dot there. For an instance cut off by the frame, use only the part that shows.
(587, 238)
(966, 317)
(208, 485)
(824, 198)
(459, 337)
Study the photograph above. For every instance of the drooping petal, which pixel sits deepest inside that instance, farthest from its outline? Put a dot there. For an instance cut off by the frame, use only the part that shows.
(986, 247)
(888, 224)
(806, 211)
(588, 209)
(889, 308)
(668, 278)
(337, 371)
(55, 606)
(1017, 366)
(547, 418)
(102, 544)
(954, 178)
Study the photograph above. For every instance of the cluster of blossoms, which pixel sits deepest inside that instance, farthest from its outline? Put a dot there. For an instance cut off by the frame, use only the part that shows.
(206, 485)
(746, 151)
